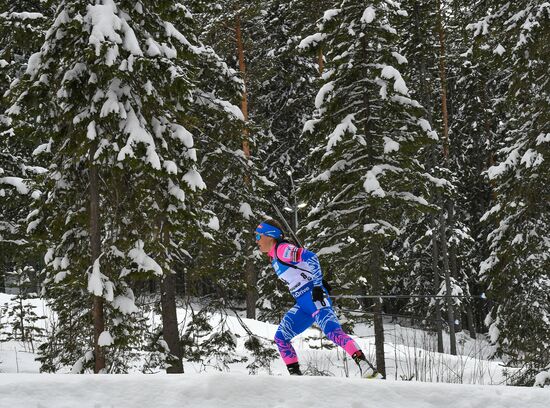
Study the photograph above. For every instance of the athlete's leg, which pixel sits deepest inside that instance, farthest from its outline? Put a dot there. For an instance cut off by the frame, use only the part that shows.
(294, 322)
(327, 320)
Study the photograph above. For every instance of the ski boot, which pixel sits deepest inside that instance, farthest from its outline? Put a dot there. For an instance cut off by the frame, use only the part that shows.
(365, 367)
(294, 369)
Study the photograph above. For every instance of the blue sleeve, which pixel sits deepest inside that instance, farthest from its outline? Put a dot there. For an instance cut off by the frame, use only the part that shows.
(313, 262)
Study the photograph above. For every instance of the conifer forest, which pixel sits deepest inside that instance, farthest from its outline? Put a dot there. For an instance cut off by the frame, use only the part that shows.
(405, 142)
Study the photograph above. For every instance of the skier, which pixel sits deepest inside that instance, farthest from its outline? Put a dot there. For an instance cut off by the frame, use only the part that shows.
(299, 269)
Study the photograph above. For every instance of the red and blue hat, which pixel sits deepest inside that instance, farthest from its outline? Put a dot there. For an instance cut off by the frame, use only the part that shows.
(269, 230)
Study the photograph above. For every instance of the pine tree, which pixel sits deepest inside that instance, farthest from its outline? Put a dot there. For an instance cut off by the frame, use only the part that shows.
(367, 132)
(22, 28)
(516, 269)
(121, 196)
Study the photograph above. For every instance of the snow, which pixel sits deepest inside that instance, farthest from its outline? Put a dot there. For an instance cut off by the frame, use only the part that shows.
(95, 284)
(194, 180)
(33, 64)
(246, 210)
(91, 132)
(390, 145)
(371, 184)
(407, 350)
(16, 182)
(105, 24)
(543, 379)
(389, 72)
(23, 16)
(311, 40)
(144, 261)
(138, 134)
(242, 391)
(214, 223)
(125, 304)
(499, 50)
(105, 339)
(345, 126)
(400, 58)
(330, 14)
(321, 95)
(368, 15)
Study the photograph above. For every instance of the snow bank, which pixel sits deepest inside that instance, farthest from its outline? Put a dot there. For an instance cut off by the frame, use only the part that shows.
(242, 391)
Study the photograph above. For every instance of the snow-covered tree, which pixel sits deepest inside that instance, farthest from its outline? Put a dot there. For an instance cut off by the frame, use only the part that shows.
(366, 134)
(22, 28)
(517, 268)
(111, 100)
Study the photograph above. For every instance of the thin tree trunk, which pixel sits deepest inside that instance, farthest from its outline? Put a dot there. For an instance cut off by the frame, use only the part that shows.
(426, 101)
(471, 323)
(95, 243)
(443, 79)
(375, 261)
(250, 270)
(170, 330)
(448, 290)
(442, 218)
(320, 61)
(453, 263)
(435, 268)
(378, 320)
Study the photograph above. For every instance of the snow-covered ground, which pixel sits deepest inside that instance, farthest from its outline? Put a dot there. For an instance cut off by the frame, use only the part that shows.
(242, 391)
(409, 355)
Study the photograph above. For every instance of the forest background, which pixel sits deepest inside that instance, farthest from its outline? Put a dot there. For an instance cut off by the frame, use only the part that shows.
(142, 142)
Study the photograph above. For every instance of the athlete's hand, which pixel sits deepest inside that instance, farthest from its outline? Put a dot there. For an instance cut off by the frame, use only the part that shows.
(318, 296)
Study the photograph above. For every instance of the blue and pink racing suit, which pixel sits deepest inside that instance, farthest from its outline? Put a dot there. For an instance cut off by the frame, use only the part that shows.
(302, 315)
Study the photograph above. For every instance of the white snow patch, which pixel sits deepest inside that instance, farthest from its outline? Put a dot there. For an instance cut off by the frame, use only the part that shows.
(400, 58)
(345, 126)
(16, 182)
(145, 262)
(95, 283)
(311, 40)
(194, 180)
(499, 50)
(214, 223)
(368, 15)
(371, 184)
(321, 95)
(330, 14)
(246, 210)
(105, 339)
(389, 72)
(390, 145)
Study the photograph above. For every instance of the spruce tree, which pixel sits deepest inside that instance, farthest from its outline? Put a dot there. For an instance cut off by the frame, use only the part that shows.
(367, 133)
(516, 269)
(112, 100)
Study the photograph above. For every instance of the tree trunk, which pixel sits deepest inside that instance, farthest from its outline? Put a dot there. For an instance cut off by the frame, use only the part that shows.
(443, 220)
(320, 61)
(95, 243)
(378, 320)
(250, 269)
(453, 264)
(170, 330)
(471, 323)
(435, 268)
(448, 290)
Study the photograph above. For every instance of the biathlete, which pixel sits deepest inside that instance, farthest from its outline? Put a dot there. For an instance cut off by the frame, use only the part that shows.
(300, 270)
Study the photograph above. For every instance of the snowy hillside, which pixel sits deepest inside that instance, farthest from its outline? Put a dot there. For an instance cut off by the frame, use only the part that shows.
(242, 391)
(203, 386)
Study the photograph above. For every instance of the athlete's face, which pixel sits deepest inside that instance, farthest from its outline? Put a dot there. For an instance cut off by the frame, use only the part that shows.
(265, 243)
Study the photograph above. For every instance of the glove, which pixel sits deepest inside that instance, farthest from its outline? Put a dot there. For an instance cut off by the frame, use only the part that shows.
(318, 295)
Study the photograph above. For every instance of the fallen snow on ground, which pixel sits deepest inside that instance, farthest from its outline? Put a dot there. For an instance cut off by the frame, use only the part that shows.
(242, 391)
